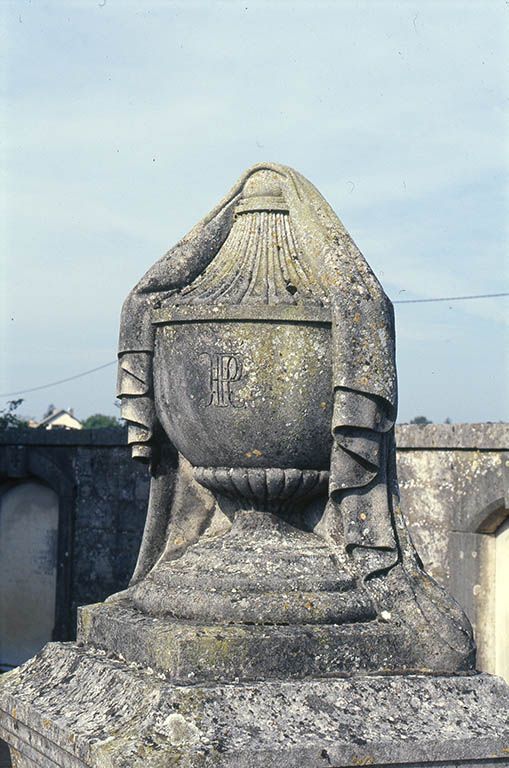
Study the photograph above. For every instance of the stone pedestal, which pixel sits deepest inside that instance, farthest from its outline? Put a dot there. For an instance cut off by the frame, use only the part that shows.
(77, 707)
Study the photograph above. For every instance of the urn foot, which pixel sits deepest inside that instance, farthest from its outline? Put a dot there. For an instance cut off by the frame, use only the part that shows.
(263, 571)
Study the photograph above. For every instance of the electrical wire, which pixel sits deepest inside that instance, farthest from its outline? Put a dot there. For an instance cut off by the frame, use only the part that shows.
(451, 298)
(60, 381)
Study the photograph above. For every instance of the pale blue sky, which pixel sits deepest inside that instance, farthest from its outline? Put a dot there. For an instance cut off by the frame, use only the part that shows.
(123, 123)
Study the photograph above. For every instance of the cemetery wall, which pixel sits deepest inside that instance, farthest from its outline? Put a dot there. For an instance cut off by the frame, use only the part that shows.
(453, 479)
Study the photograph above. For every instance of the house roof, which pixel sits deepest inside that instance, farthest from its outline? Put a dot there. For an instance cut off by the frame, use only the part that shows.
(55, 414)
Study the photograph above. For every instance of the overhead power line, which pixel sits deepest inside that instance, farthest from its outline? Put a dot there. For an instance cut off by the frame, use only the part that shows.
(451, 298)
(59, 381)
(112, 362)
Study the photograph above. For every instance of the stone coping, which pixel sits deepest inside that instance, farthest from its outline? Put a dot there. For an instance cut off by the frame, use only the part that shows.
(485, 436)
(64, 437)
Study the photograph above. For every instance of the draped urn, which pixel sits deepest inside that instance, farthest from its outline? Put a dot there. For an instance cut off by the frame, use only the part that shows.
(242, 377)
(242, 362)
(278, 614)
(260, 351)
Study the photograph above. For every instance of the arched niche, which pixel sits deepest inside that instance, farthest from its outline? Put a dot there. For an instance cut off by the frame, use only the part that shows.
(53, 469)
(29, 523)
(479, 579)
(502, 600)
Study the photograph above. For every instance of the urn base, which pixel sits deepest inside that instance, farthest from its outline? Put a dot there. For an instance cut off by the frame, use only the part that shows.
(263, 571)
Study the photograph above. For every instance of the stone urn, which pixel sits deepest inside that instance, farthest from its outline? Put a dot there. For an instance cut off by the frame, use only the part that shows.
(242, 363)
(243, 389)
(247, 392)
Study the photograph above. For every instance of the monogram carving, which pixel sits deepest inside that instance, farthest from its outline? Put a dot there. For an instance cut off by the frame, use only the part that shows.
(224, 370)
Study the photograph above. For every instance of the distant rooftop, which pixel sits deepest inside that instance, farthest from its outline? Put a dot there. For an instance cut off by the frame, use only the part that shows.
(59, 418)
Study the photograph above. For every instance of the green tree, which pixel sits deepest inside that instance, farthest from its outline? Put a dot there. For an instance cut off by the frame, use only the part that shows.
(8, 417)
(420, 420)
(100, 421)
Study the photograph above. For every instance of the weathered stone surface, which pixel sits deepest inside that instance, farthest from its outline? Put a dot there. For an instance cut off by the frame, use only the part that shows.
(85, 709)
(445, 490)
(187, 651)
(473, 437)
(257, 375)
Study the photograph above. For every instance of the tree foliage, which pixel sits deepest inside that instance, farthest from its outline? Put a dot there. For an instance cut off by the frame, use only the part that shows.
(8, 417)
(422, 420)
(101, 421)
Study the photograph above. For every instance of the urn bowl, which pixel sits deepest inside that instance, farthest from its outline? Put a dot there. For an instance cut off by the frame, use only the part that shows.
(238, 388)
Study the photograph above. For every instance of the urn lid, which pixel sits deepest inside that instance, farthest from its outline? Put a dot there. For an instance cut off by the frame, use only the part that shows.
(260, 271)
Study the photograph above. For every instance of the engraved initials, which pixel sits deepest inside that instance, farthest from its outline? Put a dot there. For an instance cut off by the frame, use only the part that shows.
(224, 369)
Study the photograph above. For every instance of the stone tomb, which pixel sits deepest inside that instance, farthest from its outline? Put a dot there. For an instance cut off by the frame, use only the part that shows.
(278, 614)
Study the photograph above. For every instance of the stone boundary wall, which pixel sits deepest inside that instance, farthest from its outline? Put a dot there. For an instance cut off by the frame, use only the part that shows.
(454, 482)
(453, 478)
(102, 505)
(64, 437)
(484, 437)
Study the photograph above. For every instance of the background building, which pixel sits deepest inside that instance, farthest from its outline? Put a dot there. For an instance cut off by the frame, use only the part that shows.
(58, 418)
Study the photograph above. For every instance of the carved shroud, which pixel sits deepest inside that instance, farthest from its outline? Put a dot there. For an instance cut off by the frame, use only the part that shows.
(363, 513)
